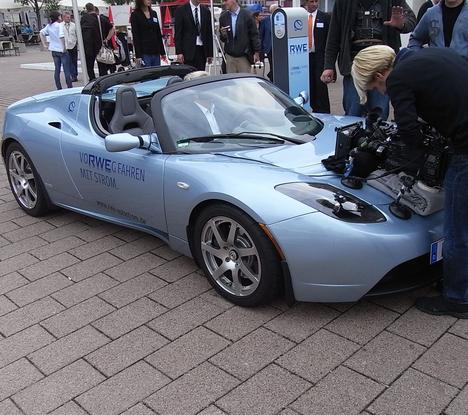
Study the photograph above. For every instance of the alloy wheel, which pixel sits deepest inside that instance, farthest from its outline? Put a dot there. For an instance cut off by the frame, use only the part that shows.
(23, 182)
(231, 256)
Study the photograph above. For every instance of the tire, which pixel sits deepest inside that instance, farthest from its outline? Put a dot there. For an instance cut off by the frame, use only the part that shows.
(25, 182)
(237, 257)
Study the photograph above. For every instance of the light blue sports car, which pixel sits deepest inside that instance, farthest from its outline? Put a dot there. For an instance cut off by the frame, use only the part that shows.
(226, 169)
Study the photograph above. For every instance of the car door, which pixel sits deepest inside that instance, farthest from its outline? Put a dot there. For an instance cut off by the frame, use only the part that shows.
(126, 186)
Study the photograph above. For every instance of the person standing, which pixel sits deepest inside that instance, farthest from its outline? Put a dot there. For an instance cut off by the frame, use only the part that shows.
(443, 26)
(239, 34)
(146, 31)
(91, 38)
(319, 23)
(54, 30)
(193, 35)
(355, 25)
(424, 8)
(69, 31)
(266, 39)
(107, 31)
(431, 84)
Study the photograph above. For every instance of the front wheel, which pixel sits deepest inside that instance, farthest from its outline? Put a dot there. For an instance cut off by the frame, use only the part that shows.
(25, 182)
(236, 256)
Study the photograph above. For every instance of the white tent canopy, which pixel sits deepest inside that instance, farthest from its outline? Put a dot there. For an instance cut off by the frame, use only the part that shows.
(81, 3)
(9, 4)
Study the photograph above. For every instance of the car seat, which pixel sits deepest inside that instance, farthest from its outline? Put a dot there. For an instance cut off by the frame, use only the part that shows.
(128, 116)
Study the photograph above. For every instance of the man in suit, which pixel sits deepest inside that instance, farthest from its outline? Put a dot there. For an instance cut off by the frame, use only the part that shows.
(239, 33)
(193, 35)
(266, 39)
(319, 22)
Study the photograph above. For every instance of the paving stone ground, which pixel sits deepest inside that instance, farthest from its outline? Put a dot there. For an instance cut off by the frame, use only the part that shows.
(97, 319)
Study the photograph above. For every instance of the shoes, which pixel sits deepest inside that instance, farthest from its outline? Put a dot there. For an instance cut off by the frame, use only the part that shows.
(439, 306)
(75, 80)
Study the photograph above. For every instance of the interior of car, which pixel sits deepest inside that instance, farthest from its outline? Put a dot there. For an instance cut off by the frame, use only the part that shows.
(123, 109)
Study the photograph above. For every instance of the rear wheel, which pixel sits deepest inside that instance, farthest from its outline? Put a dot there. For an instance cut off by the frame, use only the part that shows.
(236, 256)
(25, 182)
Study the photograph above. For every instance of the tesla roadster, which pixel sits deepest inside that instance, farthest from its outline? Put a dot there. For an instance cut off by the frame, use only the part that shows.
(226, 169)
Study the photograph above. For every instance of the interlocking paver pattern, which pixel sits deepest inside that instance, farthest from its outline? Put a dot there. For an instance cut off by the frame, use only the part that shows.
(97, 319)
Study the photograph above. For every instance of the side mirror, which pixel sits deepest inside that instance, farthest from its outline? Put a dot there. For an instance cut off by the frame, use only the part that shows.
(125, 141)
(302, 99)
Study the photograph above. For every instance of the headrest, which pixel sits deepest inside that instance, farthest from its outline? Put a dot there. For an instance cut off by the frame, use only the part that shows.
(174, 80)
(127, 100)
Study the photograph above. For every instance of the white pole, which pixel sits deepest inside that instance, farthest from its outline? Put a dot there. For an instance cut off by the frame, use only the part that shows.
(79, 35)
(215, 46)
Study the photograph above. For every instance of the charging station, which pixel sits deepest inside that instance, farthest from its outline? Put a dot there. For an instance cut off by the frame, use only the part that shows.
(290, 50)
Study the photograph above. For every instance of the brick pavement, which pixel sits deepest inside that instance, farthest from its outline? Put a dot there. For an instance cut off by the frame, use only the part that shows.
(97, 319)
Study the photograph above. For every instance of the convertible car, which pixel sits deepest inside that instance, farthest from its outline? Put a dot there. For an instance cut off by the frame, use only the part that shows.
(226, 169)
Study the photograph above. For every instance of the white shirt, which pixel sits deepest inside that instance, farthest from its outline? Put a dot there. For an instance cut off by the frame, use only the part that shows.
(69, 31)
(199, 41)
(55, 33)
(209, 114)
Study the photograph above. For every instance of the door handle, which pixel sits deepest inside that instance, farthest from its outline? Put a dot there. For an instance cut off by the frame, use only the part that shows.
(56, 124)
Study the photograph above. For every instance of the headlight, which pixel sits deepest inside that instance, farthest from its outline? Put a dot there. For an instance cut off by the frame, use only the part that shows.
(333, 202)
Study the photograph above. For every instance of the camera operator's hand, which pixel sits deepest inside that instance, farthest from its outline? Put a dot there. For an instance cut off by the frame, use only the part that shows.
(414, 155)
(328, 76)
(398, 18)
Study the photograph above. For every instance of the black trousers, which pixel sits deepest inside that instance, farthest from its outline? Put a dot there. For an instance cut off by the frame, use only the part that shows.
(319, 99)
(105, 69)
(270, 61)
(90, 59)
(199, 60)
(73, 62)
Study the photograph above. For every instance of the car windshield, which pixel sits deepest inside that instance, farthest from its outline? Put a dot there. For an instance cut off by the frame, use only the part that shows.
(233, 114)
(142, 89)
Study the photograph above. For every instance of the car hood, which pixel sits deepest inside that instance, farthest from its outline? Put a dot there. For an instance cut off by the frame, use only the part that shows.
(304, 158)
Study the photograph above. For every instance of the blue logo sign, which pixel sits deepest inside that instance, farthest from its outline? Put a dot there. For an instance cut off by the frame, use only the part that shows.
(71, 106)
(298, 49)
(298, 24)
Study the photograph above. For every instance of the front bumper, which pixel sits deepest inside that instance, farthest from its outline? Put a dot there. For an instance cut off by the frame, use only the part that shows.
(333, 261)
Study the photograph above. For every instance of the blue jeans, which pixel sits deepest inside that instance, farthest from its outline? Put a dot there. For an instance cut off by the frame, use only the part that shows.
(62, 59)
(352, 105)
(152, 60)
(456, 230)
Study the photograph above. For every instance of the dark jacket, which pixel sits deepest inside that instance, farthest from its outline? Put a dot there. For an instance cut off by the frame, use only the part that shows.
(90, 30)
(186, 32)
(265, 34)
(342, 21)
(431, 84)
(147, 38)
(423, 9)
(321, 28)
(246, 40)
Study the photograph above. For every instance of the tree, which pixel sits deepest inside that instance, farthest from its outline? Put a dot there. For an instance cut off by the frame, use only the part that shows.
(51, 5)
(36, 5)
